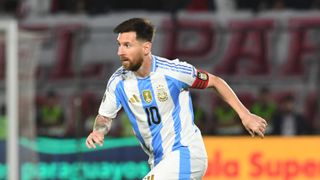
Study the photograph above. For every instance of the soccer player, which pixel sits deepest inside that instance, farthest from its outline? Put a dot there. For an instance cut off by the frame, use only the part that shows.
(154, 92)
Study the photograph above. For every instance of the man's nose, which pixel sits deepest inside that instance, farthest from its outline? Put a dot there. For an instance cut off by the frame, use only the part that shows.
(120, 51)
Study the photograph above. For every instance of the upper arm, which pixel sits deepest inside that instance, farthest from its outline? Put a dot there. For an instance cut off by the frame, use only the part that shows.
(187, 75)
(213, 81)
(205, 80)
(110, 104)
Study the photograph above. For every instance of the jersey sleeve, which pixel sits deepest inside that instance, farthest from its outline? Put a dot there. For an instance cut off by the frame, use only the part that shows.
(184, 72)
(110, 104)
(189, 76)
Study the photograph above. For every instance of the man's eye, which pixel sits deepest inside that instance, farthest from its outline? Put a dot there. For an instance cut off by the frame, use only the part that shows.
(127, 45)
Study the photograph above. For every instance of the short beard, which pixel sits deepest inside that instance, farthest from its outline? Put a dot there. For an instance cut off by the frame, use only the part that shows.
(136, 66)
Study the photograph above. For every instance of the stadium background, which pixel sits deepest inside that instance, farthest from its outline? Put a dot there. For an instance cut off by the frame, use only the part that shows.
(273, 44)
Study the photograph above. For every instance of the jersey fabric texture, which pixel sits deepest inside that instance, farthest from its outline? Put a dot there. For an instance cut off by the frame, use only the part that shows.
(159, 108)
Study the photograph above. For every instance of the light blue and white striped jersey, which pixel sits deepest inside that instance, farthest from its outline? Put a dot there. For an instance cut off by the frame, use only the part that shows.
(159, 106)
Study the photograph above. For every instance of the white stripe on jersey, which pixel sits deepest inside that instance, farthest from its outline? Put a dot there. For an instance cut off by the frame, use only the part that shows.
(187, 124)
(159, 83)
(131, 89)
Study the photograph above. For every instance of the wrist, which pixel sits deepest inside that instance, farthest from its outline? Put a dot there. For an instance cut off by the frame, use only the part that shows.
(102, 124)
(243, 115)
(100, 129)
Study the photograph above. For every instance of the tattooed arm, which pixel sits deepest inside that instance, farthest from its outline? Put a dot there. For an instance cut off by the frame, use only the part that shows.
(101, 127)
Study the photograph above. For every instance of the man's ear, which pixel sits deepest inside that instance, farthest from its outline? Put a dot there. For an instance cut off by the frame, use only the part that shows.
(147, 47)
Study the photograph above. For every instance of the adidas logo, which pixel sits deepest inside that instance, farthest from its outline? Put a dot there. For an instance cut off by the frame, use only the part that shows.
(134, 99)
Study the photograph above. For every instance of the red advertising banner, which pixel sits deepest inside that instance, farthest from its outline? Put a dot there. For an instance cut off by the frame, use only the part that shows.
(276, 158)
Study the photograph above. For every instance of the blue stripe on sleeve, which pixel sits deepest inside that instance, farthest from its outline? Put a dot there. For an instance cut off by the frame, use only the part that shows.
(176, 66)
(172, 64)
(174, 69)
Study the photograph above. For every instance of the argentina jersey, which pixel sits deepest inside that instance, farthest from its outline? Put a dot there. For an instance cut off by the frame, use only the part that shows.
(159, 106)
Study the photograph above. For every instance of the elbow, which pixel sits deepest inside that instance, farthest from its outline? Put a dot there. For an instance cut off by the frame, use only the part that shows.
(214, 81)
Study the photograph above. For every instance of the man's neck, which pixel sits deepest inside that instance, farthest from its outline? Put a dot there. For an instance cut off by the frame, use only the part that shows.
(145, 68)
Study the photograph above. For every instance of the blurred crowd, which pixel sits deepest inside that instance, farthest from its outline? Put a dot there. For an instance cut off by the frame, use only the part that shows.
(280, 110)
(23, 8)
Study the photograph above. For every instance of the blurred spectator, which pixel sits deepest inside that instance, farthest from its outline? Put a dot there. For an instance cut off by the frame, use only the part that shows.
(117, 129)
(88, 124)
(200, 117)
(226, 119)
(265, 107)
(287, 121)
(3, 122)
(51, 117)
(126, 128)
(89, 108)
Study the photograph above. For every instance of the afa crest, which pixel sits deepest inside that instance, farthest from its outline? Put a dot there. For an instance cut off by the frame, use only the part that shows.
(147, 96)
(162, 93)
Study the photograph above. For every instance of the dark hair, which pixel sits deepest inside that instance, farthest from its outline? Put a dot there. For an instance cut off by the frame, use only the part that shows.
(143, 28)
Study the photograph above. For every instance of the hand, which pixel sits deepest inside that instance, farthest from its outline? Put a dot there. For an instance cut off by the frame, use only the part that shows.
(254, 124)
(93, 138)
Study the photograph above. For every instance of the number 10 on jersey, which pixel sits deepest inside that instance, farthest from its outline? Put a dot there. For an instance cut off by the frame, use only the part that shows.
(153, 115)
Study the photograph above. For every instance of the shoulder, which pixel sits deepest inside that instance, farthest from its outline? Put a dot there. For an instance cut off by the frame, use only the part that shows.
(116, 77)
(175, 65)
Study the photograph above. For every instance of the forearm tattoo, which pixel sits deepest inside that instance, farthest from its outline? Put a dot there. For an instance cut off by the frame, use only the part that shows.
(102, 124)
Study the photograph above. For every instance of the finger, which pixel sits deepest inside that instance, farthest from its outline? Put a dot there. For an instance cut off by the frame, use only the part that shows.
(98, 135)
(264, 122)
(263, 130)
(87, 144)
(260, 133)
(93, 140)
(263, 125)
(97, 139)
(250, 132)
(90, 143)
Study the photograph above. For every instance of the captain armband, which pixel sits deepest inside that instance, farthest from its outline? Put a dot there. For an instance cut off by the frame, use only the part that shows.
(202, 80)
(102, 124)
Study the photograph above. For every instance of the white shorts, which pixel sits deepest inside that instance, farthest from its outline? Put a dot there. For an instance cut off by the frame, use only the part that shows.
(183, 164)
